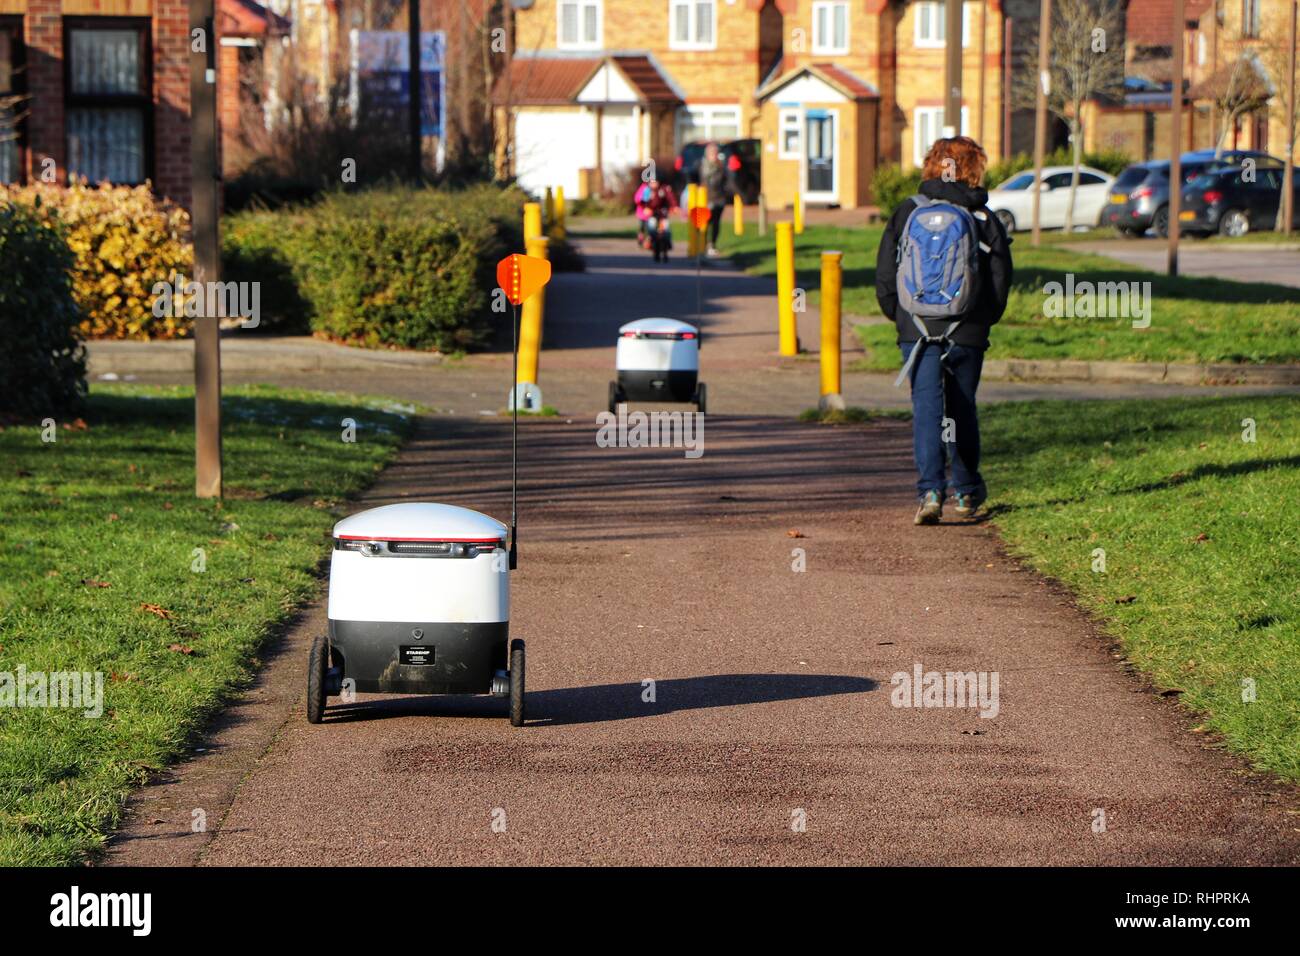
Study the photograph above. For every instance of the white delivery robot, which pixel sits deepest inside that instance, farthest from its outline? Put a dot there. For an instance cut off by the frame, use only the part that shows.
(657, 360)
(419, 603)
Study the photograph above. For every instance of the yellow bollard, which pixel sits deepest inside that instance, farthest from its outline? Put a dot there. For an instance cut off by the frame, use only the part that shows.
(798, 213)
(532, 220)
(692, 236)
(832, 285)
(561, 229)
(549, 209)
(738, 214)
(701, 202)
(530, 324)
(785, 288)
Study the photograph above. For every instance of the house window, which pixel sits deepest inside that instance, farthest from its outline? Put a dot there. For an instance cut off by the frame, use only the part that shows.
(928, 127)
(789, 144)
(831, 27)
(931, 24)
(579, 24)
(1250, 18)
(108, 114)
(696, 123)
(692, 24)
(12, 106)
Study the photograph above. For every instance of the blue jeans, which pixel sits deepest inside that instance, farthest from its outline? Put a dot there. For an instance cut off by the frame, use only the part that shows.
(942, 390)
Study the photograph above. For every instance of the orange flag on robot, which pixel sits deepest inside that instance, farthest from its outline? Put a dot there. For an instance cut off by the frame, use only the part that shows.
(521, 277)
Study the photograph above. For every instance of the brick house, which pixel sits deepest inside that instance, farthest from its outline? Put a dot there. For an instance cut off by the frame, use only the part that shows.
(830, 88)
(104, 92)
(1258, 30)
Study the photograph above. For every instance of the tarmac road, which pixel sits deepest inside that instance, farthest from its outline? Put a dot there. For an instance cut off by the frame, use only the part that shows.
(771, 737)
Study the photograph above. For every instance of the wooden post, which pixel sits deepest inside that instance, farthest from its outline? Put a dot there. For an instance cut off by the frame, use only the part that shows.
(1008, 40)
(1040, 112)
(983, 54)
(414, 78)
(952, 69)
(1176, 136)
(205, 229)
(1288, 179)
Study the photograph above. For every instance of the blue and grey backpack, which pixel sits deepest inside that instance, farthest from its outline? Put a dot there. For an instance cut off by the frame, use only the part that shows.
(938, 269)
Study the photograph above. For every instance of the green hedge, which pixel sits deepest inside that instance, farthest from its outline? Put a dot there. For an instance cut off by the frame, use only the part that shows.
(43, 361)
(385, 268)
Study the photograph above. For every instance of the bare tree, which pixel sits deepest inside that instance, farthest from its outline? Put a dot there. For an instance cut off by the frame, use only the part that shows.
(1087, 57)
(1237, 90)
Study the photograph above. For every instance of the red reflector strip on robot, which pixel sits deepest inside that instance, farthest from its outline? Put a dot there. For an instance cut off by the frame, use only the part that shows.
(362, 537)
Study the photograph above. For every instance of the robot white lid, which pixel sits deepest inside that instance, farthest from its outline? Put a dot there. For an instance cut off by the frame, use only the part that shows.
(658, 325)
(420, 521)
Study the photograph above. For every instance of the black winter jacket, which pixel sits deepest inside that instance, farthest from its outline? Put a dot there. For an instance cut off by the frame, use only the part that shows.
(995, 267)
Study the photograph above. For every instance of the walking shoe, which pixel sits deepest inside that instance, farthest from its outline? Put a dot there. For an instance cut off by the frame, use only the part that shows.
(712, 253)
(931, 509)
(968, 505)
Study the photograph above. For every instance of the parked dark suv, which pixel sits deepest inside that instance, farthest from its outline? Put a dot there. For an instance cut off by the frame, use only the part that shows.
(1233, 202)
(1139, 197)
(744, 159)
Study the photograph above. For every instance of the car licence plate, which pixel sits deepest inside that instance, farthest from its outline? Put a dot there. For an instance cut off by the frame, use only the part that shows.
(1118, 200)
(1186, 215)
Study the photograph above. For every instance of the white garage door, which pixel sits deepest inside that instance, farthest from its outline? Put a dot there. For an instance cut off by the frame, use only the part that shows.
(550, 148)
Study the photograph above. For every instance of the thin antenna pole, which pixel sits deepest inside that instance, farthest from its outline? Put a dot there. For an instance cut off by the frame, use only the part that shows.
(699, 290)
(514, 438)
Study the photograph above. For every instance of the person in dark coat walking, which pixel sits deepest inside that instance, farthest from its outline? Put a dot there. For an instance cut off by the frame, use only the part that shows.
(946, 375)
(712, 175)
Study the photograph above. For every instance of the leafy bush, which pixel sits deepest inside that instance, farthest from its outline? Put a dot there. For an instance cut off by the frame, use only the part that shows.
(256, 248)
(384, 268)
(125, 240)
(891, 185)
(43, 362)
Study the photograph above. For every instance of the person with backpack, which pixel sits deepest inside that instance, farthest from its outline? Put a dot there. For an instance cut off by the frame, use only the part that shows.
(943, 274)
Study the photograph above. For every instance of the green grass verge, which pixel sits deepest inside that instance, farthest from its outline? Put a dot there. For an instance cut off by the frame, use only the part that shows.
(1193, 319)
(1201, 534)
(104, 521)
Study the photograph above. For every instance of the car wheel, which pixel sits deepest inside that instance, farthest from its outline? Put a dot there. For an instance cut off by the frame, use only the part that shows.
(1160, 222)
(1007, 219)
(1235, 223)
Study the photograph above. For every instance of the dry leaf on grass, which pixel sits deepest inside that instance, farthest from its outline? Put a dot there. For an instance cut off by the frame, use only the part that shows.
(162, 612)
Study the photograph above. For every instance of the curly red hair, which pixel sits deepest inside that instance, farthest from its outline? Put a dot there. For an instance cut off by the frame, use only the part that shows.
(968, 161)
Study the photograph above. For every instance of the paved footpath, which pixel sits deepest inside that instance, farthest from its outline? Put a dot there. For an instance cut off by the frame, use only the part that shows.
(583, 314)
(771, 737)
